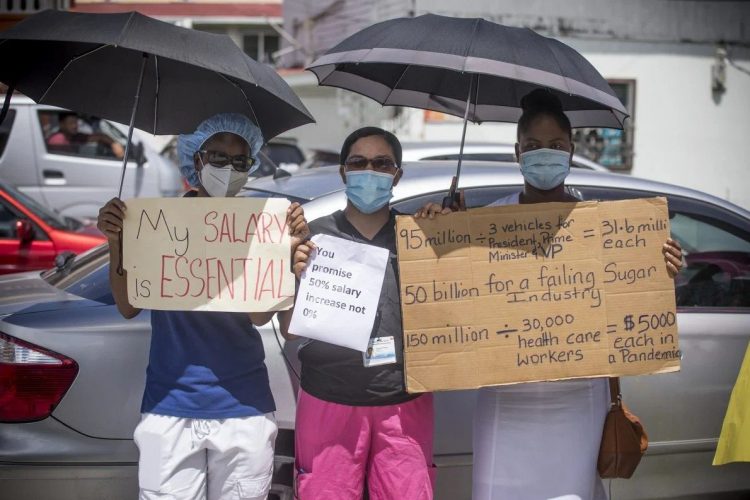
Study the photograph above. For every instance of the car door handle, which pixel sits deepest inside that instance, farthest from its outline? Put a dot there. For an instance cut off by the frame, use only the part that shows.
(53, 177)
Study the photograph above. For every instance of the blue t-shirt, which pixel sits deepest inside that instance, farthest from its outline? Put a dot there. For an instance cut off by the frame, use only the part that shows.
(206, 365)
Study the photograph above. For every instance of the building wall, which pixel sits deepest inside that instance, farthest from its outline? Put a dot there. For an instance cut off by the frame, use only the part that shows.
(646, 20)
(337, 112)
(683, 133)
(319, 25)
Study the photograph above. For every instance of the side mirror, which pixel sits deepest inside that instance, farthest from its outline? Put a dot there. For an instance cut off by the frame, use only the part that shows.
(24, 231)
(62, 259)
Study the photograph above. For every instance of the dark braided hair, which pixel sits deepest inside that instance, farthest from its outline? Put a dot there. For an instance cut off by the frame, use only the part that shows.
(542, 102)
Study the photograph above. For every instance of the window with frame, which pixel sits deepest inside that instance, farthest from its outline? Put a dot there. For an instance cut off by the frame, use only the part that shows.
(8, 218)
(75, 134)
(609, 147)
(261, 46)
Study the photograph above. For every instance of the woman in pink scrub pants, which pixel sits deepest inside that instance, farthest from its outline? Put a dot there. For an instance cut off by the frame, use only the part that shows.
(354, 417)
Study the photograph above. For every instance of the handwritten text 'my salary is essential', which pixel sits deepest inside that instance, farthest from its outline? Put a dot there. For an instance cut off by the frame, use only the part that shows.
(220, 270)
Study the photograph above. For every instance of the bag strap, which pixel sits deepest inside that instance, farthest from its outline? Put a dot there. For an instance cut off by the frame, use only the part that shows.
(614, 391)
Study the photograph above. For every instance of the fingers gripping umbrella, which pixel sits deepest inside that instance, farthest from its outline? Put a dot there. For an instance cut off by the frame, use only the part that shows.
(472, 68)
(152, 75)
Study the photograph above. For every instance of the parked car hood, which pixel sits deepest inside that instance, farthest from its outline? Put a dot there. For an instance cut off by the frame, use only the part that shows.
(26, 293)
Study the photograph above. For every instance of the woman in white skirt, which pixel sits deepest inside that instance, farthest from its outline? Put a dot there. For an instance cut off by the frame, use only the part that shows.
(540, 441)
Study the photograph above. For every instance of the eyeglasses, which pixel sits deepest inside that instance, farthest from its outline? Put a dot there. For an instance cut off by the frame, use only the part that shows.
(219, 159)
(379, 163)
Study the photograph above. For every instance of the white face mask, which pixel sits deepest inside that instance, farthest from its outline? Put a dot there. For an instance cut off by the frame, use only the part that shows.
(221, 182)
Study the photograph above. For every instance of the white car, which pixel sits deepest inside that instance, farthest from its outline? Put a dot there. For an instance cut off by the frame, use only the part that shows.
(477, 151)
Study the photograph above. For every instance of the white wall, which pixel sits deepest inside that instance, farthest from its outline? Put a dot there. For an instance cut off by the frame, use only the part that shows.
(682, 135)
(337, 112)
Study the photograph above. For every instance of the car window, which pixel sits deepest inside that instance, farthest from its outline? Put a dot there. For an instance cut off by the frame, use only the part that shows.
(86, 275)
(5, 128)
(508, 157)
(475, 197)
(50, 217)
(93, 285)
(717, 271)
(8, 220)
(254, 193)
(285, 153)
(73, 134)
(716, 248)
(274, 155)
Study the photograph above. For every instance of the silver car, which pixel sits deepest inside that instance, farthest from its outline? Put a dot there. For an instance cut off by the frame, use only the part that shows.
(73, 369)
(479, 151)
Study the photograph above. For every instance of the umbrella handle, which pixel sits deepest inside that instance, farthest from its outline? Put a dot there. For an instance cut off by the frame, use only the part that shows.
(455, 200)
(119, 269)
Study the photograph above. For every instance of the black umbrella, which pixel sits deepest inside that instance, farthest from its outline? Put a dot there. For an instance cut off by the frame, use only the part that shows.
(467, 67)
(133, 69)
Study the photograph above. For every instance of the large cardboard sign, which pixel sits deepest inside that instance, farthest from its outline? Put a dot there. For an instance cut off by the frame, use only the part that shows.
(536, 292)
(339, 292)
(208, 254)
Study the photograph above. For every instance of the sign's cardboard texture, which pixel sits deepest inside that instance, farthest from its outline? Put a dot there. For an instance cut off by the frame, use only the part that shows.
(208, 254)
(536, 292)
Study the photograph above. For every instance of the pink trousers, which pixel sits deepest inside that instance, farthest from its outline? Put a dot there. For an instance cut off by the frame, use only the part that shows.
(339, 446)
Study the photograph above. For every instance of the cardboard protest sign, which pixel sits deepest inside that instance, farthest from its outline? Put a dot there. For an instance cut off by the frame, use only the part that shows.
(536, 292)
(208, 254)
(339, 292)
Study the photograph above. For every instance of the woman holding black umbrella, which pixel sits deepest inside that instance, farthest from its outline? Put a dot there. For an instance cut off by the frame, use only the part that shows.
(541, 440)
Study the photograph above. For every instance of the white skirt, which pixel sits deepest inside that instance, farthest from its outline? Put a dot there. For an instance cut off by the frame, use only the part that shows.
(539, 441)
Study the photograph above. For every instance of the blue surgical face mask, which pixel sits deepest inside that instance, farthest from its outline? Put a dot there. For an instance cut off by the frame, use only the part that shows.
(545, 169)
(369, 191)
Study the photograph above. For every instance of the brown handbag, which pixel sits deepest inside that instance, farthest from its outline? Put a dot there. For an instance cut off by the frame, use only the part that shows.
(624, 441)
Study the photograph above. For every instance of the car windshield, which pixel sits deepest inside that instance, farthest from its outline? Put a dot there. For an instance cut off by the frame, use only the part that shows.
(306, 186)
(86, 275)
(50, 217)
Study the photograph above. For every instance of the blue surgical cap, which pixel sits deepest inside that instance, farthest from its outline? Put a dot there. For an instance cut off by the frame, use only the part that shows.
(235, 123)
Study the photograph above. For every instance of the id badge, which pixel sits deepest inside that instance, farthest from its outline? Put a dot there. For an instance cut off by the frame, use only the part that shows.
(380, 351)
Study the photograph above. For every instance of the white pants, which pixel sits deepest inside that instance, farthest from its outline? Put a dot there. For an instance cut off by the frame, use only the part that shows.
(196, 459)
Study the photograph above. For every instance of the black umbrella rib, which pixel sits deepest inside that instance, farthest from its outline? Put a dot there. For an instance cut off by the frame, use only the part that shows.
(476, 97)
(125, 28)
(468, 47)
(559, 67)
(385, 101)
(247, 100)
(156, 97)
(80, 56)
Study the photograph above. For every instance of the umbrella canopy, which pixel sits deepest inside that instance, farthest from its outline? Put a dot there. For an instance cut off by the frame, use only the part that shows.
(96, 63)
(442, 63)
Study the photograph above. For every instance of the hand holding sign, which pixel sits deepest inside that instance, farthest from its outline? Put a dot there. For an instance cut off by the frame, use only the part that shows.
(340, 286)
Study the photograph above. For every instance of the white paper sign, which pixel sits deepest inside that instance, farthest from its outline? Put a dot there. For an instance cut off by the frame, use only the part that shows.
(339, 292)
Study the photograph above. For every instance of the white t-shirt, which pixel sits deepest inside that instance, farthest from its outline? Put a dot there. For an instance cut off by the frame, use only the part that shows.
(511, 199)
